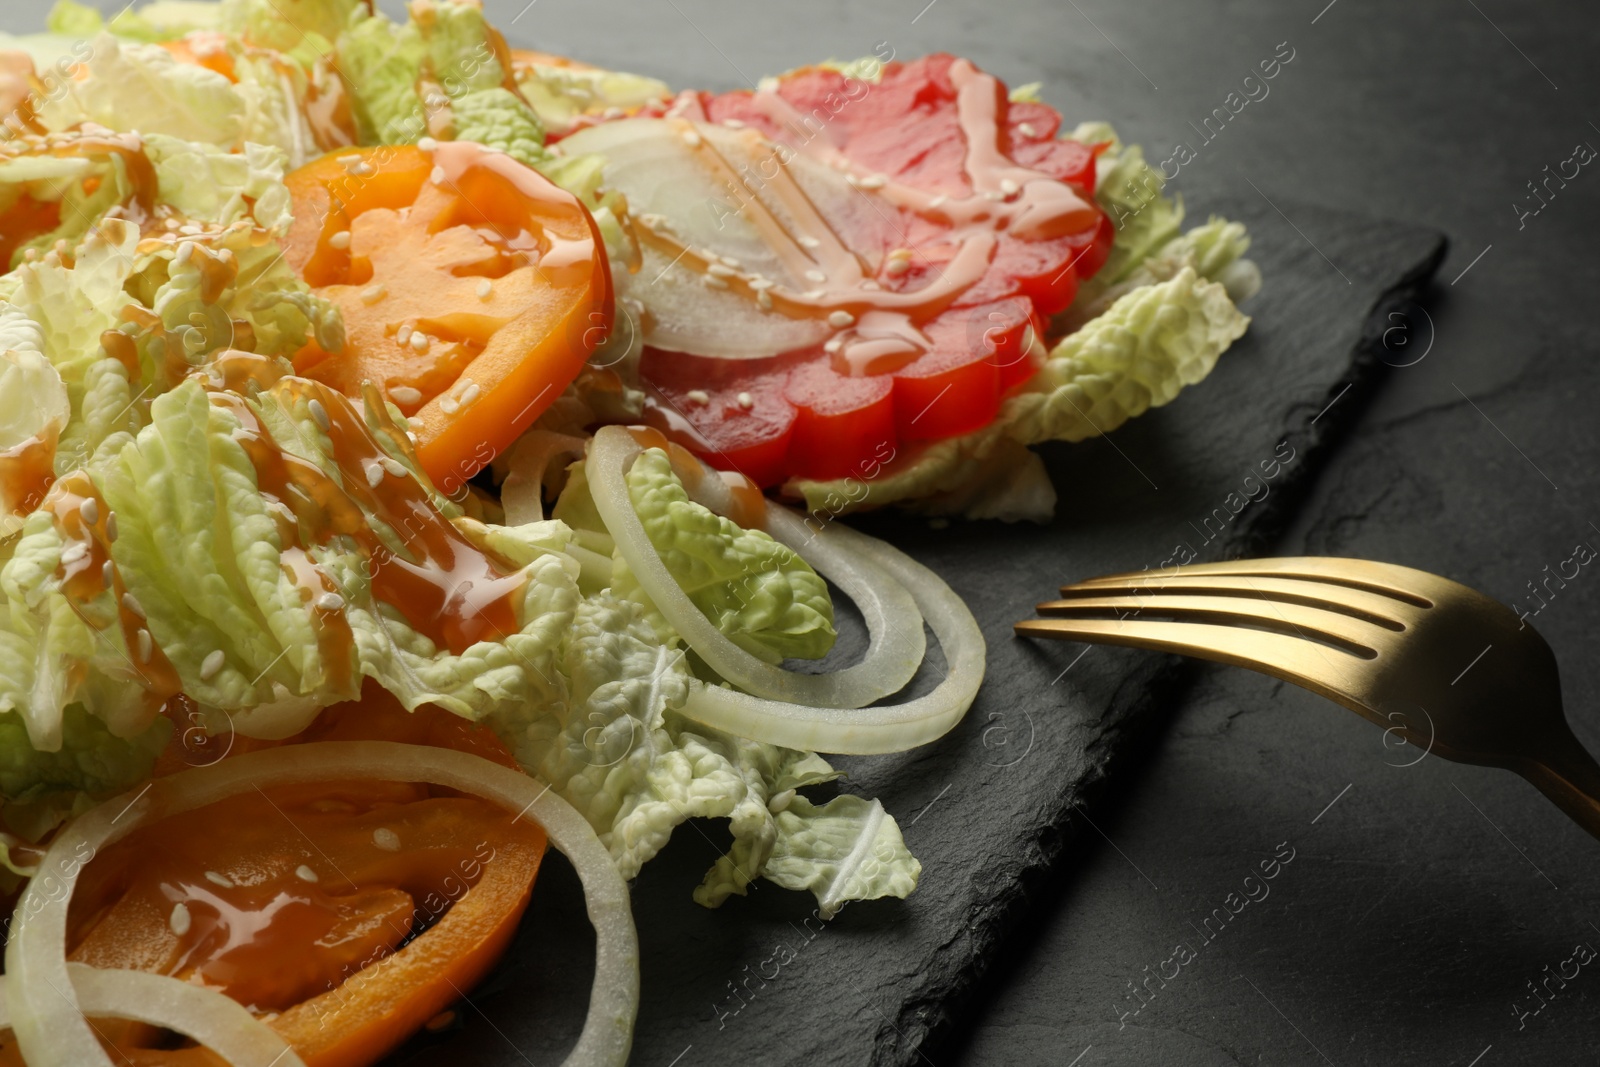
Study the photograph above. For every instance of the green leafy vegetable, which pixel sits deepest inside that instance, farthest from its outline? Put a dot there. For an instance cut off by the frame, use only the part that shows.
(620, 754)
(129, 86)
(759, 592)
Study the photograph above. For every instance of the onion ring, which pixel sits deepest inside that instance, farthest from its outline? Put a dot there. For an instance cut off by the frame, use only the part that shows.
(865, 731)
(47, 1017)
(210, 1018)
(891, 613)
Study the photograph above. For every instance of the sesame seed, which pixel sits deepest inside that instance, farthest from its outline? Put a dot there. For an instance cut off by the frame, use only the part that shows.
(731, 262)
(713, 282)
(394, 467)
(319, 414)
(437, 176)
(405, 395)
(1009, 187)
(1027, 129)
(897, 265)
(362, 170)
(873, 181)
(470, 393)
(485, 289)
(330, 602)
(340, 240)
(111, 527)
(758, 283)
(183, 254)
(768, 84)
(172, 225)
(722, 271)
(90, 510)
(691, 138)
(841, 319)
(147, 645)
(733, 124)
(939, 201)
(764, 299)
(190, 230)
(403, 334)
(212, 664)
(305, 874)
(374, 293)
(415, 423)
(420, 341)
(179, 919)
(833, 346)
(134, 608)
(219, 879)
(386, 839)
(427, 144)
(374, 475)
(746, 401)
(994, 194)
(448, 405)
(808, 241)
(108, 573)
(697, 396)
(816, 276)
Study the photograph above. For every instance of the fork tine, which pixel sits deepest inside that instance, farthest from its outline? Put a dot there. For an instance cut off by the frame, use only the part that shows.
(1328, 672)
(1358, 603)
(1358, 636)
(1405, 584)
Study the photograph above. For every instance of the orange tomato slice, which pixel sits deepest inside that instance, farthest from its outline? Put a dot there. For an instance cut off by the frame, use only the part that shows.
(472, 290)
(413, 895)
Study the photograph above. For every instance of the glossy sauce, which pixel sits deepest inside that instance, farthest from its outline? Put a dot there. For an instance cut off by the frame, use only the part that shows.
(445, 587)
(883, 332)
(90, 574)
(27, 470)
(252, 925)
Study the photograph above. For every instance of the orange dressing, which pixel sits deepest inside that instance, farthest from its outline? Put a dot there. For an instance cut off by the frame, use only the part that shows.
(86, 571)
(445, 587)
(27, 471)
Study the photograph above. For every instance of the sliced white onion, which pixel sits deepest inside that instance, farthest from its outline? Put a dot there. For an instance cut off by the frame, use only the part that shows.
(890, 612)
(528, 467)
(866, 731)
(667, 175)
(46, 1015)
(220, 1024)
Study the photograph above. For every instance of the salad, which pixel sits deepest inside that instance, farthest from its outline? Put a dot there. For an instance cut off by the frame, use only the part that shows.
(417, 452)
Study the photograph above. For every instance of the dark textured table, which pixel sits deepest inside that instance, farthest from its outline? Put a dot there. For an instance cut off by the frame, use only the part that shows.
(1420, 901)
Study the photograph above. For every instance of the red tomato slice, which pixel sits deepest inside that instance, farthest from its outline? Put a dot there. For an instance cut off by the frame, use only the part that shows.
(940, 129)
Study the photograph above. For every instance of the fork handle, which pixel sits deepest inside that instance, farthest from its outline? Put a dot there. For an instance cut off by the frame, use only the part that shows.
(1570, 777)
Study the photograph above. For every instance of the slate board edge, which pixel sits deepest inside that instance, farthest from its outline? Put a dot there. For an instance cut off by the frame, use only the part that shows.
(930, 1019)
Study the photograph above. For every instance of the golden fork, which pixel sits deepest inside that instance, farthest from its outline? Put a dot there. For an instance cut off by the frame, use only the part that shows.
(1385, 641)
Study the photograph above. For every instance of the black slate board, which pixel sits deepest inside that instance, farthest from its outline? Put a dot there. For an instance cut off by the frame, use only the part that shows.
(988, 807)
